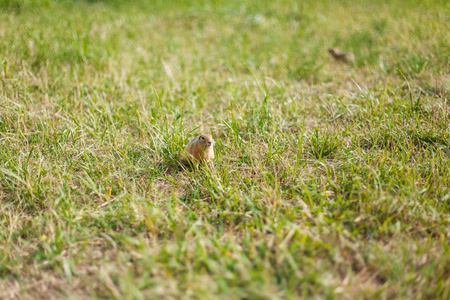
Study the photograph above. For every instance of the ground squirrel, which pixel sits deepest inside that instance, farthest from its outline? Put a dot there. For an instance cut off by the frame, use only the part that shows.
(200, 149)
(346, 57)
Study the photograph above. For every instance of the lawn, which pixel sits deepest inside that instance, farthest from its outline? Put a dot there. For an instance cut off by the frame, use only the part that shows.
(331, 180)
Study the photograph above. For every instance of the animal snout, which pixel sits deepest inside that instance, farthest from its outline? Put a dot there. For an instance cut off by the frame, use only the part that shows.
(209, 144)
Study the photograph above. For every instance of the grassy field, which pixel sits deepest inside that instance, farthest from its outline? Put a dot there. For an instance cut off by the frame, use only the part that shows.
(330, 180)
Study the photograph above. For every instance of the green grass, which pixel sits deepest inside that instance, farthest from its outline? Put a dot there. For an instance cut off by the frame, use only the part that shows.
(330, 181)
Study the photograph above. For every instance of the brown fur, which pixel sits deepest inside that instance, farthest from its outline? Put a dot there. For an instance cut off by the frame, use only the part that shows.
(200, 149)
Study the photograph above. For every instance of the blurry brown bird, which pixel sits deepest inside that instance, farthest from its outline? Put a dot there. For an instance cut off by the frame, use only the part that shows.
(347, 57)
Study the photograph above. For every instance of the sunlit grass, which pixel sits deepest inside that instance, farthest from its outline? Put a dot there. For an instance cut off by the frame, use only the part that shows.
(330, 180)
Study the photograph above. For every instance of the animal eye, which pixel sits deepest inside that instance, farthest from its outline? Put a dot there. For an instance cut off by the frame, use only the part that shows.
(202, 138)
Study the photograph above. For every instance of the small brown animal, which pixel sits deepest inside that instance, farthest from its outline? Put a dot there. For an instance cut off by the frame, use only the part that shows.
(200, 149)
(338, 55)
